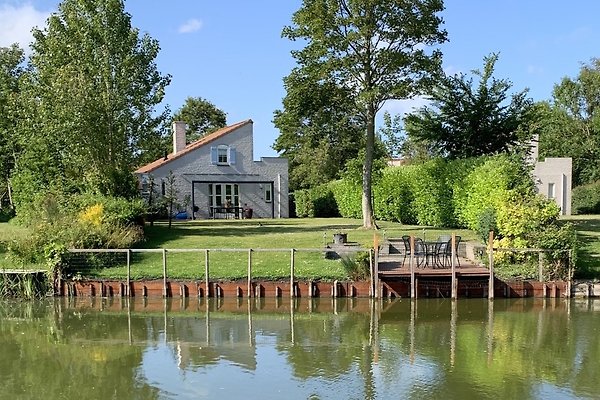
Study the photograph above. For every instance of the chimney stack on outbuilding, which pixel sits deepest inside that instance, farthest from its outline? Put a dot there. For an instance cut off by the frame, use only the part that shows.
(179, 128)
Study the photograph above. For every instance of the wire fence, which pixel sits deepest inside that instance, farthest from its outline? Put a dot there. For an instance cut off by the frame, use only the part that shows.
(204, 264)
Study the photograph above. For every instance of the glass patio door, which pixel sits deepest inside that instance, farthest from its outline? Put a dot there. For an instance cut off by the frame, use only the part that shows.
(219, 193)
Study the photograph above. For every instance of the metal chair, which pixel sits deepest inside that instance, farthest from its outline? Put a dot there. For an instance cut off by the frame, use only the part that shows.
(446, 253)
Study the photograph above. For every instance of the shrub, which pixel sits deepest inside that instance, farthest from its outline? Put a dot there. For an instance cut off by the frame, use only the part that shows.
(348, 197)
(79, 221)
(316, 202)
(490, 185)
(357, 266)
(586, 199)
(393, 196)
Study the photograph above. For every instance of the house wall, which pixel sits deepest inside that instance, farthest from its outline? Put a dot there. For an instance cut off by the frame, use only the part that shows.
(556, 172)
(251, 175)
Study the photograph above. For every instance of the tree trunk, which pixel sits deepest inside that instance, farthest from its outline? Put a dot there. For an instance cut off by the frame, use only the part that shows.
(367, 205)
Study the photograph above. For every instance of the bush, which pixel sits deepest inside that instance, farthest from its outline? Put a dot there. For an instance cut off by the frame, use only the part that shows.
(393, 196)
(348, 197)
(586, 199)
(357, 266)
(317, 202)
(79, 221)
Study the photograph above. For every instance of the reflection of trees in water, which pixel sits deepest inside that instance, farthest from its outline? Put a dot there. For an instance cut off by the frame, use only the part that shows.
(54, 353)
(530, 342)
(439, 349)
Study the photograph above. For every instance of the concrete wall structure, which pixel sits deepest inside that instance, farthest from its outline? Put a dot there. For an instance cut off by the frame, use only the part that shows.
(261, 185)
(553, 178)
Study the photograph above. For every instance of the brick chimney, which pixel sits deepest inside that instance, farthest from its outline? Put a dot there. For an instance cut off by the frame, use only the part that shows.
(179, 128)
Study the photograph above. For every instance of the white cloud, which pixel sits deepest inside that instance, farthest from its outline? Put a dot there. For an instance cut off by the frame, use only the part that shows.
(191, 25)
(403, 107)
(16, 23)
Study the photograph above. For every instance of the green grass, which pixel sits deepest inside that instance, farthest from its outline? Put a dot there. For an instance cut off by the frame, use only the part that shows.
(278, 234)
(9, 232)
(588, 254)
(283, 234)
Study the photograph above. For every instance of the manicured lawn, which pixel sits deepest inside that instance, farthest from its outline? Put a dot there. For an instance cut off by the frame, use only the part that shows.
(588, 235)
(301, 234)
(277, 234)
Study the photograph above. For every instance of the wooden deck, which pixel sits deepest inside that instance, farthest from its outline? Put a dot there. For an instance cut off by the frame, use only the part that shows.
(396, 279)
(391, 266)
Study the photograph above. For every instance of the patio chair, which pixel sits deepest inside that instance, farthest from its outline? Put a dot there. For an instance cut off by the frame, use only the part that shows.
(446, 253)
(419, 250)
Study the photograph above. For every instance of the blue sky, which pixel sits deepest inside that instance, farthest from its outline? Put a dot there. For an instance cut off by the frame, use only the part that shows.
(231, 51)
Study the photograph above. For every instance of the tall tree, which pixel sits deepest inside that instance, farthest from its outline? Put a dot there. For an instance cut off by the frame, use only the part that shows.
(320, 129)
(201, 116)
(11, 71)
(376, 49)
(574, 113)
(468, 120)
(93, 97)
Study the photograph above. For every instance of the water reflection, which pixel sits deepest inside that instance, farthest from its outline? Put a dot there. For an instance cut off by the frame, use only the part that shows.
(299, 348)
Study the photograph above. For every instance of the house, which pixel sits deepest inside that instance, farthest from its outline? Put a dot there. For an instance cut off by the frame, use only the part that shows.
(553, 177)
(217, 177)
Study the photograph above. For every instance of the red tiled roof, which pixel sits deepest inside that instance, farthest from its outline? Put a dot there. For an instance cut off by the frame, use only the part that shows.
(191, 147)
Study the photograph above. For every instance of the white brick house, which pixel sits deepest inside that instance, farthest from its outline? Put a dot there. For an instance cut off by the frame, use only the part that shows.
(219, 177)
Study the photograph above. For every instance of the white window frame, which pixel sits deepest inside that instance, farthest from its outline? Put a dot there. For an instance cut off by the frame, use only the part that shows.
(223, 155)
(268, 194)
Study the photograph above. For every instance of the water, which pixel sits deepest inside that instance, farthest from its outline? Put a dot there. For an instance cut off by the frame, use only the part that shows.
(301, 349)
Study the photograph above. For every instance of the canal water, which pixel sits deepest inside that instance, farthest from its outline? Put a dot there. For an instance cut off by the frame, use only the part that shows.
(90, 349)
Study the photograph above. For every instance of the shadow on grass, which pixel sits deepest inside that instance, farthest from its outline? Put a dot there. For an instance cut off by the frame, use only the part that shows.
(160, 233)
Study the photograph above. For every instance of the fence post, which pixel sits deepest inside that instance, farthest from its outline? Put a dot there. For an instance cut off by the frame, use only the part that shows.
(413, 291)
(292, 294)
(128, 272)
(491, 258)
(541, 265)
(454, 284)
(206, 279)
(164, 252)
(570, 272)
(249, 272)
(371, 266)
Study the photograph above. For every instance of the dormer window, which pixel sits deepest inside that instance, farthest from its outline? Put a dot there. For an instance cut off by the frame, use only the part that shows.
(222, 155)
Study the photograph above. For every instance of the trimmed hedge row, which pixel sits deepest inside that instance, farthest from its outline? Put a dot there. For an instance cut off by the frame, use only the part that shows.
(586, 199)
(487, 193)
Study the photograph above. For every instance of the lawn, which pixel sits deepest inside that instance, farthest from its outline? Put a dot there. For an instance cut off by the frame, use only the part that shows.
(257, 234)
(588, 255)
(283, 234)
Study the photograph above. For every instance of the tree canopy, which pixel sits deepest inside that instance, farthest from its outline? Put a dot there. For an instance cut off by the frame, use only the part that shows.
(319, 129)
(201, 116)
(466, 119)
(571, 123)
(376, 50)
(11, 71)
(91, 101)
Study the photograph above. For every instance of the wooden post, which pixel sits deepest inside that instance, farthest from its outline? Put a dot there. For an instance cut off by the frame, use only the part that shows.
(491, 258)
(376, 275)
(570, 276)
(541, 266)
(164, 252)
(413, 292)
(454, 284)
(206, 280)
(128, 272)
(249, 272)
(292, 294)
(371, 283)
